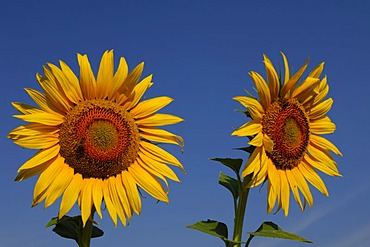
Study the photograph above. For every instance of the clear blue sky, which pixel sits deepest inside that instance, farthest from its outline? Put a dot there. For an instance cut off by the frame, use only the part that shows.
(200, 53)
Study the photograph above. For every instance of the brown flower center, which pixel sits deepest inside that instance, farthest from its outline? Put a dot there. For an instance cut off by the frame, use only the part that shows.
(286, 123)
(99, 139)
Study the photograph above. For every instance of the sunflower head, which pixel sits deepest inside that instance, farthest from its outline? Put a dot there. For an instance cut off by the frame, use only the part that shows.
(287, 120)
(97, 140)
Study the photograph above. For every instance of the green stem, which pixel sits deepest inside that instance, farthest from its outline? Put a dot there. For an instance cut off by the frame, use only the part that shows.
(87, 230)
(239, 214)
(249, 240)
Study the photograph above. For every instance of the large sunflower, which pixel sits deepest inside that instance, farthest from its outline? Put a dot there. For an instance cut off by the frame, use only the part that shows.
(286, 125)
(95, 139)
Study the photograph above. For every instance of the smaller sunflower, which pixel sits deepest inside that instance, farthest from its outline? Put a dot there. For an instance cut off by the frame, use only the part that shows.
(287, 122)
(97, 139)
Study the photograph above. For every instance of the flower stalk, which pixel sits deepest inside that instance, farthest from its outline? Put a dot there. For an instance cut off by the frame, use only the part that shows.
(240, 213)
(87, 230)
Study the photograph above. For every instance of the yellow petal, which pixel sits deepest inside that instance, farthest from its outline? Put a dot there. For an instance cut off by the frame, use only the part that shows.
(322, 126)
(260, 170)
(74, 83)
(40, 198)
(294, 186)
(272, 78)
(248, 129)
(104, 80)
(150, 106)
(273, 175)
(43, 118)
(159, 154)
(279, 205)
(87, 78)
(324, 144)
(70, 89)
(302, 184)
(319, 94)
(323, 91)
(268, 143)
(273, 185)
(322, 155)
(26, 109)
(131, 80)
(304, 88)
(86, 199)
(40, 157)
(33, 129)
(58, 186)
(321, 109)
(48, 176)
(122, 196)
(115, 199)
(255, 114)
(53, 91)
(289, 86)
(328, 168)
(132, 192)
(40, 99)
(250, 103)
(156, 167)
(284, 192)
(160, 135)
(109, 202)
(286, 67)
(137, 92)
(310, 174)
(148, 182)
(316, 72)
(177, 140)
(42, 141)
(257, 141)
(70, 194)
(253, 161)
(159, 119)
(262, 89)
(271, 197)
(39, 193)
(97, 195)
(119, 77)
(24, 174)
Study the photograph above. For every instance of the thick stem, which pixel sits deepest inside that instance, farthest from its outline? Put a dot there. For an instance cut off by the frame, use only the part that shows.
(87, 230)
(239, 214)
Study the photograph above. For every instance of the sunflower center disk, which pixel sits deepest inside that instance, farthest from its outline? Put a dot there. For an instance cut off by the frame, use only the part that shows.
(292, 132)
(99, 139)
(286, 124)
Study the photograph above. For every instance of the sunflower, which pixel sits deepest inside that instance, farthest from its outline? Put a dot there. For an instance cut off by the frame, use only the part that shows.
(97, 141)
(286, 127)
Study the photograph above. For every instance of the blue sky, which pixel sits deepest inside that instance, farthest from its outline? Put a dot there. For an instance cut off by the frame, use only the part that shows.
(200, 53)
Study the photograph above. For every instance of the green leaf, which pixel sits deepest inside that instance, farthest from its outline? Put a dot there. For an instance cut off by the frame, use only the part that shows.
(68, 229)
(248, 149)
(230, 183)
(96, 232)
(211, 227)
(245, 112)
(234, 164)
(215, 228)
(247, 179)
(271, 230)
(71, 227)
(52, 222)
